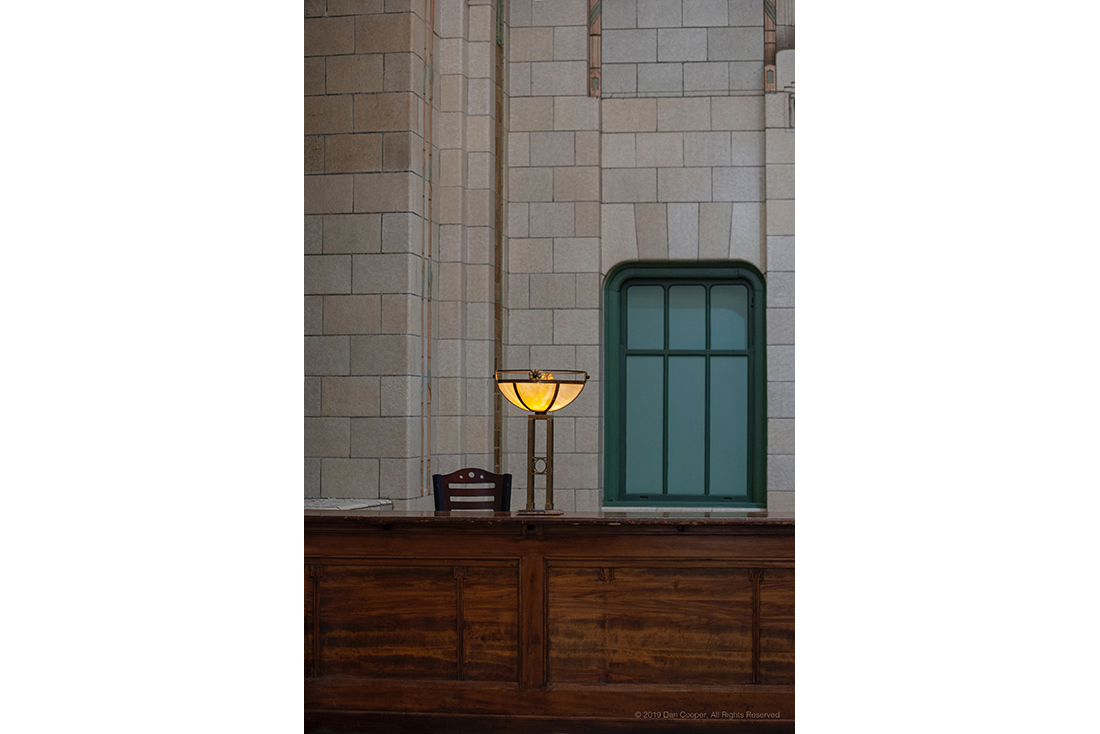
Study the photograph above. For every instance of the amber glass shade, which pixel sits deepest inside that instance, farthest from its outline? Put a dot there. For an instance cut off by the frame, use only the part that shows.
(540, 392)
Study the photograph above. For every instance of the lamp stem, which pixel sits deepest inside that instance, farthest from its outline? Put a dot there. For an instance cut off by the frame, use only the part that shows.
(531, 462)
(549, 461)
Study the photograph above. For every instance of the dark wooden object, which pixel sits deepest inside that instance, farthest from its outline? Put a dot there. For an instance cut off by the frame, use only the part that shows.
(447, 487)
(584, 622)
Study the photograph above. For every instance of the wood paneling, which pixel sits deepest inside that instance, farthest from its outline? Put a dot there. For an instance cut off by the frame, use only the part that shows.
(581, 619)
(684, 626)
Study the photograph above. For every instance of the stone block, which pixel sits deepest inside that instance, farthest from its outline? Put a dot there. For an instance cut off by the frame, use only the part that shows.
(385, 354)
(706, 77)
(619, 14)
(781, 367)
(781, 501)
(404, 73)
(353, 153)
(780, 473)
(588, 291)
(652, 231)
(576, 326)
(777, 110)
(328, 114)
(531, 327)
(586, 219)
(386, 273)
(383, 437)
(531, 44)
(358, 314)
(559, 12)
(577, 183)
(781, 326)
(517, 294)
(314, 75)
(328, 36)
(328, 194)
(781, 400)
(683, 231)
(658, 13)
(707, 149)
(352, 233)
(738, 113)
(355, 73)
(519, 149)
(781, 217)
(483, 23)
(349, 396)
(618, 150)
(314, 315)
(738, 183)
(313, 477)
(387, 192)
(552, 148)
(479, 56)
(630, 185)
(518, 218)
(327, 274)
(327, 436)
(746, 76)
(659, 150)
(746, 232)
(780, 181)
(577, 113)
(530, 256)
(559, 77)
(746, 12)
(354, 7)
(519, 80)
(689, 113)
(628, 46)
(388, 33)
(402, 151)
(780, 253)
(571, 43)
(576, 255)
(619, 79)
(327, 355)
(587, 148)
(400, 314)
(315, 154)
(531, 184)
(705, 13)
(532, 113)
(553, 290)
(734, 44)
(682, 44)
(779, 146)
(385, 112)
(781, 290)
(714, 230)
(747, 148)
(781, 436)
(683, 184)
(656, 78)
(400, 395)
(551, 219)
(313, 235)
(617, 235)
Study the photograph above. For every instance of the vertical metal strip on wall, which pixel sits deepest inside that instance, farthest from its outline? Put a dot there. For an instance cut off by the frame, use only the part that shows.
(498, 241)
(426, 254)
(594, 25)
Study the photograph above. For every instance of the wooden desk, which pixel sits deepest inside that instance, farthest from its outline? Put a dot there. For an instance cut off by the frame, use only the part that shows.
(481, 621)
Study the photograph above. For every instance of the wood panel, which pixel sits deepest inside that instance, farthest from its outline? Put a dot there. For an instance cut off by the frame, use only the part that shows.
(490, 613)
(309, 639)
(389, 622)
(684, 626)
(777, 626)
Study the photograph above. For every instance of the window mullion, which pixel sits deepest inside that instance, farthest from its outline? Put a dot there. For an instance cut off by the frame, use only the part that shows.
(664, 403)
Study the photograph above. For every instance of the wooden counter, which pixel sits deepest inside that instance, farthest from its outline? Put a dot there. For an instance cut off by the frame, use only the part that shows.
(480, 621)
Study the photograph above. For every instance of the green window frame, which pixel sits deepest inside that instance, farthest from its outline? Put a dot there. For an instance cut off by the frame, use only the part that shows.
(686, 386)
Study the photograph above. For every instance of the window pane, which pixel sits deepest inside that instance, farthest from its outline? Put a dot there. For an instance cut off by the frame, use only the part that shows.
(729, 314)
(687, 324)
(645, 378)
(686, 424)
(729, 425)
(645, 317)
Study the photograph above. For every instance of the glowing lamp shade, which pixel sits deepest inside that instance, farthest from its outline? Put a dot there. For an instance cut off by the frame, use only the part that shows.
(540, 392)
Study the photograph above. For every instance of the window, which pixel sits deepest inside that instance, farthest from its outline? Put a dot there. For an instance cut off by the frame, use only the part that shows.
(685, 391)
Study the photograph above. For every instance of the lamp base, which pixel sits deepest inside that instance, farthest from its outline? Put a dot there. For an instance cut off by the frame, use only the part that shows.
(540, 512)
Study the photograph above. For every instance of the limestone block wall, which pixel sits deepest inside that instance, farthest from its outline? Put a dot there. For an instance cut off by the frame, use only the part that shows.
(365, 227)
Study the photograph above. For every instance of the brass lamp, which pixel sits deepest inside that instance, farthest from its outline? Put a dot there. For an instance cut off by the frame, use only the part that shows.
(540, 393)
